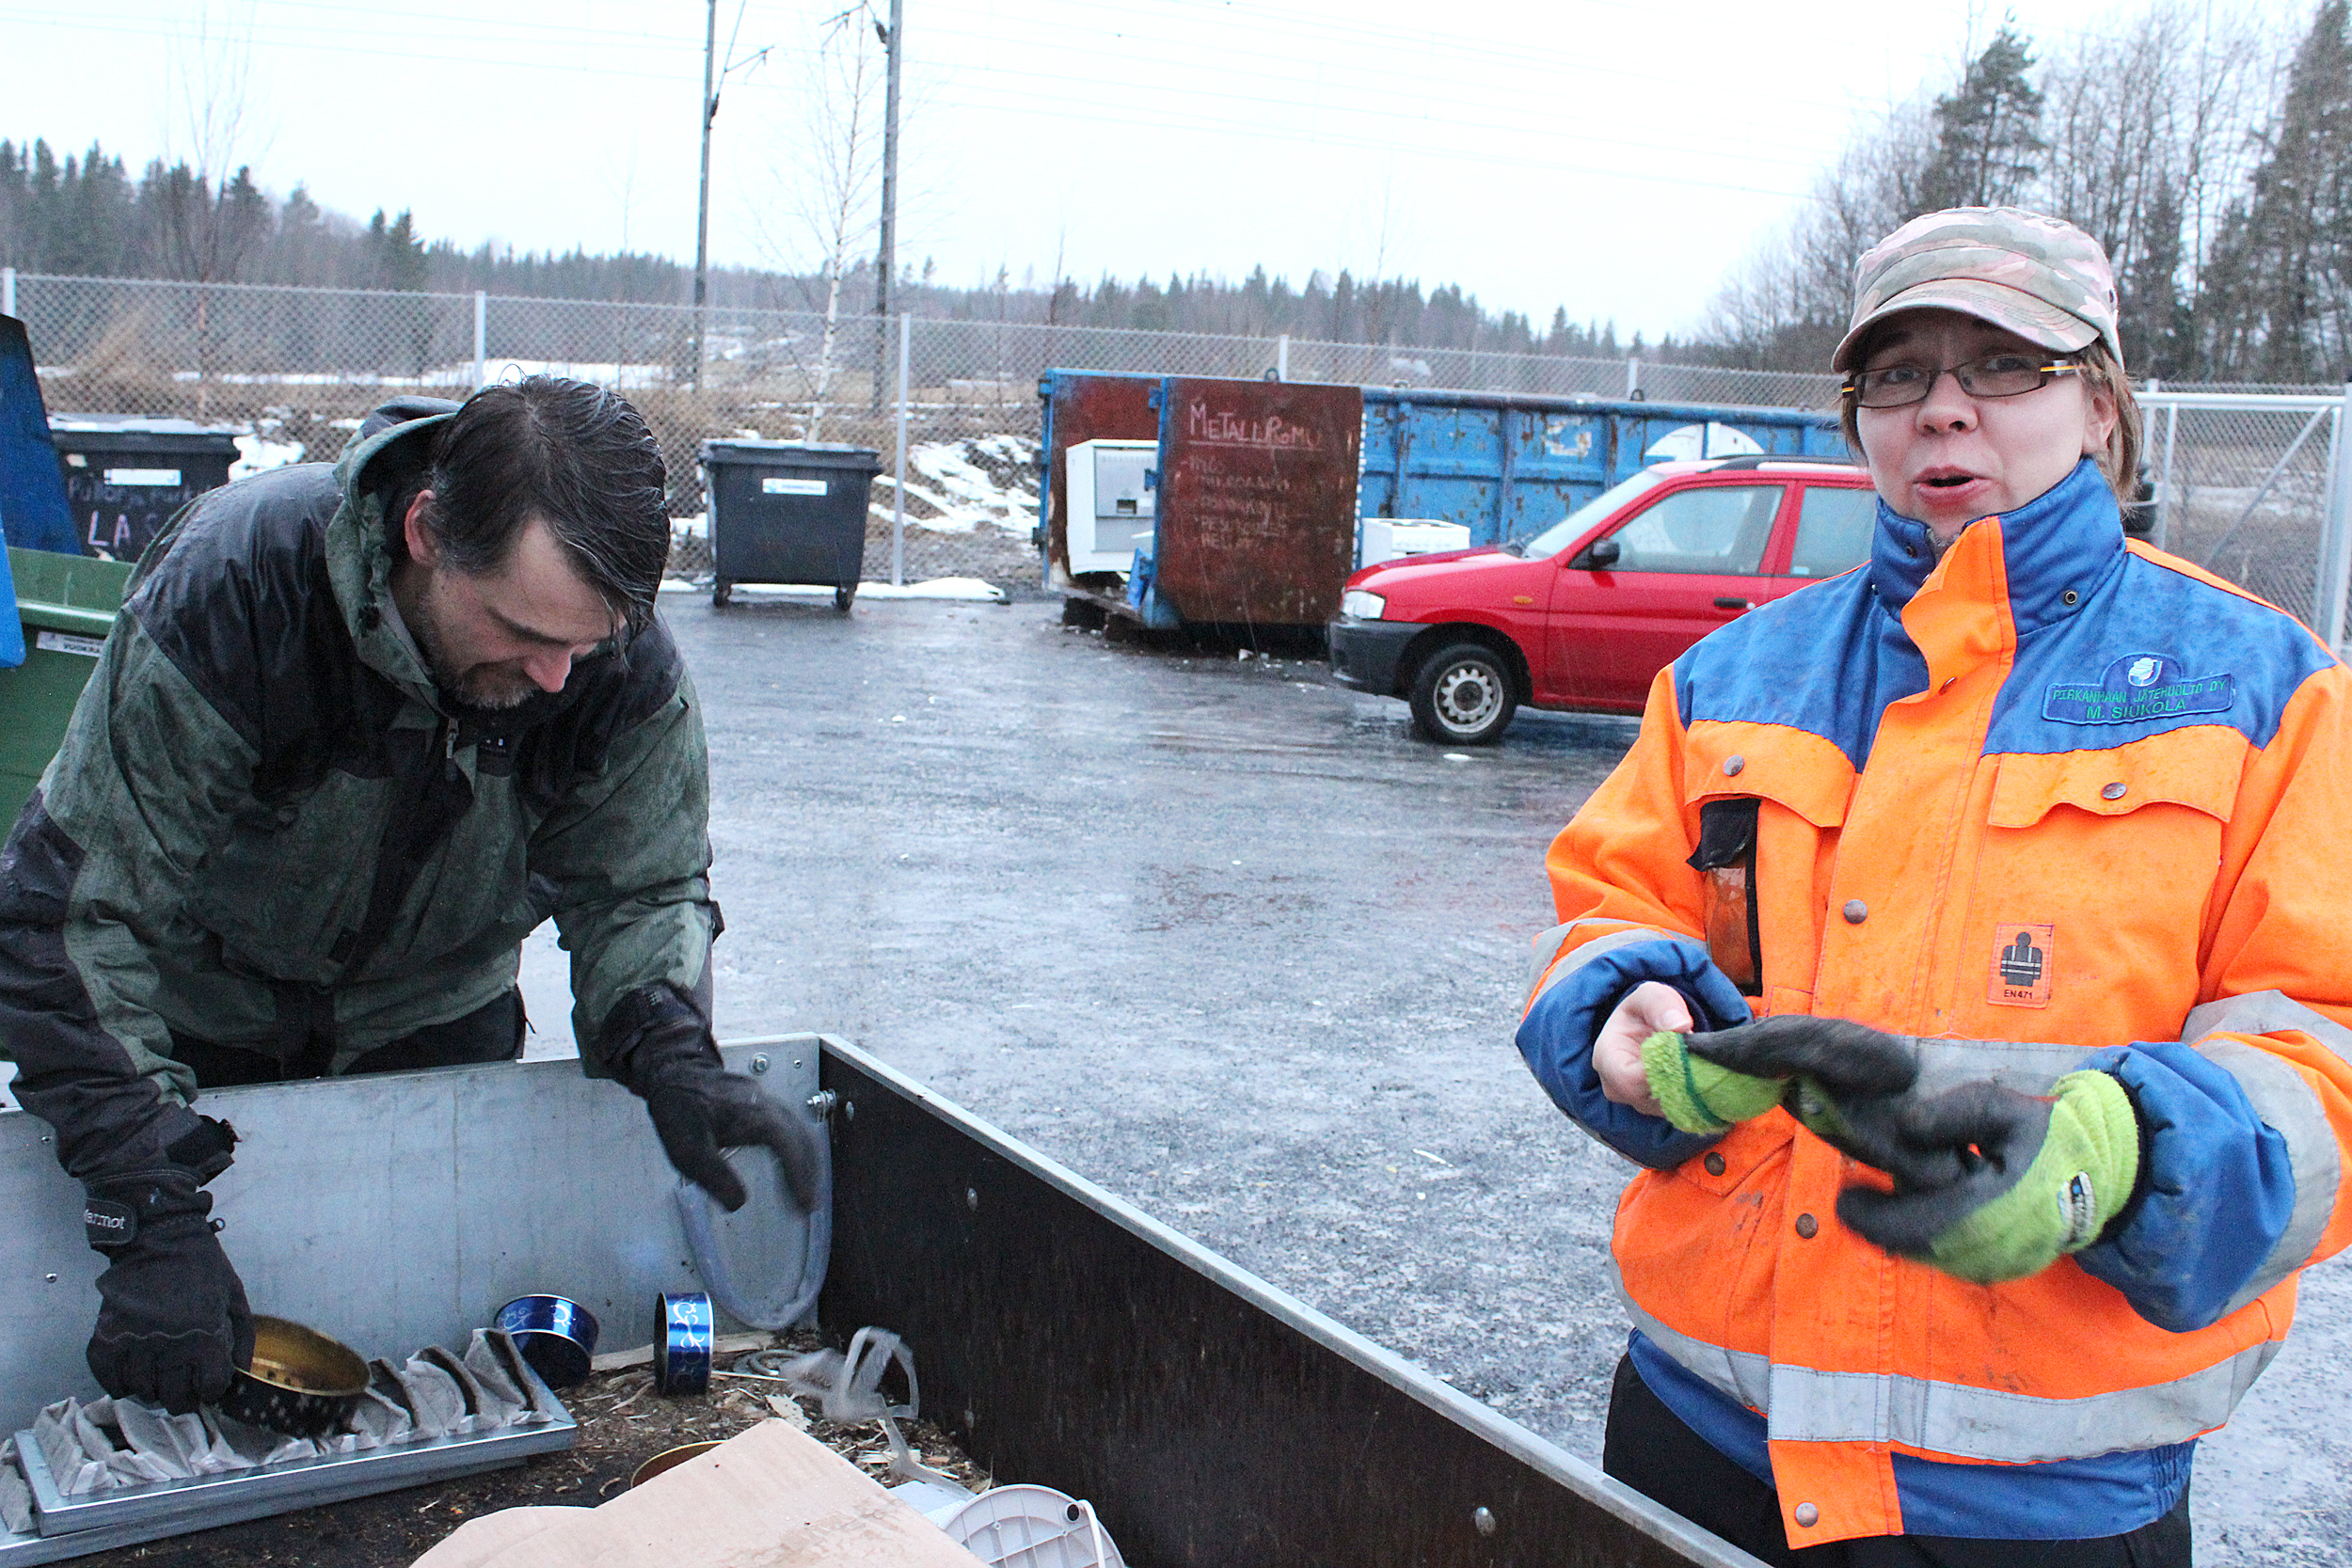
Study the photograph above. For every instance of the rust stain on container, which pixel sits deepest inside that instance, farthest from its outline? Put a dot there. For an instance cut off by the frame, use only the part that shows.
(1257, 508)
(1090, 409)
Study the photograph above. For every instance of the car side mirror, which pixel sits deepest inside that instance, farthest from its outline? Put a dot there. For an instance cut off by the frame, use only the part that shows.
(1599, 556)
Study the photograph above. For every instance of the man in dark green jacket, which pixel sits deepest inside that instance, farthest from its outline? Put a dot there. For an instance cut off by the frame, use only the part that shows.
(358, 731)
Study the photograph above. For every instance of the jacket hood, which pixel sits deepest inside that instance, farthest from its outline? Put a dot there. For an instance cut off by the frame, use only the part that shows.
(2068, 537)
(359, 540)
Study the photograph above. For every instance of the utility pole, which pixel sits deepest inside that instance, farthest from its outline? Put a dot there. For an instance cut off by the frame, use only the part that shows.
(886, 260)
(702, 212)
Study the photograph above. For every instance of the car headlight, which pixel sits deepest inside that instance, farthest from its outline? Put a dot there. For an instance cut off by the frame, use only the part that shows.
(1362, 606)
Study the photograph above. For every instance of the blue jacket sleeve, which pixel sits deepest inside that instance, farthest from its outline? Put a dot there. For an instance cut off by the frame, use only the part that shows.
(2217, 1190)
(1556, 1036)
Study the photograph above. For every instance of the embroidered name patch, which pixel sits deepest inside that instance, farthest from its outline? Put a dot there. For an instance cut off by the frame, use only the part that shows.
(2022, 957)
(2137, 687)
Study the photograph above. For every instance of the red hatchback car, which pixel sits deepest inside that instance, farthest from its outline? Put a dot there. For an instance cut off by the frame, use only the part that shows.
(1584, 614)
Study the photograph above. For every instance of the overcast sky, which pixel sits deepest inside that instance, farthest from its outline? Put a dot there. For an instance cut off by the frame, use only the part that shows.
(1611, 156)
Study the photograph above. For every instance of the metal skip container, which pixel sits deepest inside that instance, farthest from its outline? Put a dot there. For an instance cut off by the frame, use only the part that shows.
(788, 512)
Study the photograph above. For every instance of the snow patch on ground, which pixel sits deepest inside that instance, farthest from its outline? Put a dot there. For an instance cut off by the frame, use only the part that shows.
(970, 590)
(984, 480)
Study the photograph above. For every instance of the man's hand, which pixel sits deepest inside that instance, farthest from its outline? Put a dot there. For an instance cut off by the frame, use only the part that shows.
(700, 1109)
(2036, 1178)
(172, 1320)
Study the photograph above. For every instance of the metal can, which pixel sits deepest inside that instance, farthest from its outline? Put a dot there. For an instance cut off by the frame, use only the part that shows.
(681, 1350)
(557, 1335)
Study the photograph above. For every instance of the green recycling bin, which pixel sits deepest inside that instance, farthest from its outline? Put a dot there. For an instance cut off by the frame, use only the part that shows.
(68, 605)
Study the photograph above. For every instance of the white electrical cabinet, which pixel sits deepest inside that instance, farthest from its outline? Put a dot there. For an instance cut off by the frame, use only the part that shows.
(1110, 493)
(1394, 538)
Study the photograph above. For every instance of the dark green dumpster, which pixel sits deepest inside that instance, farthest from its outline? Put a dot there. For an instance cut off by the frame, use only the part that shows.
(126, 474)
(788, 512)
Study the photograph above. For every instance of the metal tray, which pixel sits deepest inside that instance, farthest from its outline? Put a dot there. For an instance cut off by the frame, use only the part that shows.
(74, 1527)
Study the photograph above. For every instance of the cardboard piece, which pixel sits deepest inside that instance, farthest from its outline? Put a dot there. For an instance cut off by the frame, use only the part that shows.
(478, 1542)
(770, 1497)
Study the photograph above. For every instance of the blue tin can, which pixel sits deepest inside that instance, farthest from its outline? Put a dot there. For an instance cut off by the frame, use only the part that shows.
(557, 1336)
(681, 1350)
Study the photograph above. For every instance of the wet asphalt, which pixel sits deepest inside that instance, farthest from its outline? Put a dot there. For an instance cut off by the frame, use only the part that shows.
(1232, 942)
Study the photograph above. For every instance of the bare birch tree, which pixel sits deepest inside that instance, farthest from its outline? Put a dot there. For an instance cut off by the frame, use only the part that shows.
(830, 177)
(211, 221)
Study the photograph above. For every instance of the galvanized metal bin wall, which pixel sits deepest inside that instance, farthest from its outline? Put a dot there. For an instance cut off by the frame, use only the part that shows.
(1509, 466)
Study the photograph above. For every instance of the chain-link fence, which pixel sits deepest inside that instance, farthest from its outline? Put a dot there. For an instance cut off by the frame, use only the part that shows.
(2249, 486)
(2242, 479)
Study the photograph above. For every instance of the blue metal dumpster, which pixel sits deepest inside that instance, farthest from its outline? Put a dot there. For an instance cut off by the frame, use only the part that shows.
(1509, 465)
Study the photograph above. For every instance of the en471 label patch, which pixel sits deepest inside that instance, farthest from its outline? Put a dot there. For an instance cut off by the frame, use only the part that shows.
(2138, 686)
(2023, 958)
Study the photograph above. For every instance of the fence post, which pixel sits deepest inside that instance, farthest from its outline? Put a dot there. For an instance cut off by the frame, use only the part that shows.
(1282, 358)
(2164, 485)
(1632, 377)
(898, 490)
(481, 337)
(8, 290)
(2335, 566)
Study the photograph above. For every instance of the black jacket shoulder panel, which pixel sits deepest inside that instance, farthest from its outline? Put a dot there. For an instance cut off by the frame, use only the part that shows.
(237, 596)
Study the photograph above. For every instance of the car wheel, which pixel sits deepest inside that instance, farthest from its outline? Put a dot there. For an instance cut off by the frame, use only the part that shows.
(1463, 696)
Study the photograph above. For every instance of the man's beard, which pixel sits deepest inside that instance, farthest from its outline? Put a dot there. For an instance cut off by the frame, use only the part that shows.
(488, 688)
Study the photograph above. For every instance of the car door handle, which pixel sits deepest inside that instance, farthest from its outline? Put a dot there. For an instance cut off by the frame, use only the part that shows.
(1731, 604)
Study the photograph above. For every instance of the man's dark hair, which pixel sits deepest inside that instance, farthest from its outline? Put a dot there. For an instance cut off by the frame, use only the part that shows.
(567, 451)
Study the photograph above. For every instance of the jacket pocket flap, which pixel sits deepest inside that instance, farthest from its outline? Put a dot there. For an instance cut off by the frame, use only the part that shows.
(2195, 767)
(1734, 1158)
(1771, 762)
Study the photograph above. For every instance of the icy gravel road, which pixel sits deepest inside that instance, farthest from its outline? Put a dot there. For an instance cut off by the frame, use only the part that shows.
(1228, 941)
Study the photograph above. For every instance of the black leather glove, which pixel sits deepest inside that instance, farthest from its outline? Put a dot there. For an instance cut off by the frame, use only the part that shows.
(699, 1108)
(172, 1320)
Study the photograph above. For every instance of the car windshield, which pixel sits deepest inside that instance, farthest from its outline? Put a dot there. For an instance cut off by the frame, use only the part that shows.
(1564, 532)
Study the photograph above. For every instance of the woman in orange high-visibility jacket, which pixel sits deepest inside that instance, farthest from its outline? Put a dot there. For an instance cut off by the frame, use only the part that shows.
(2062, 816)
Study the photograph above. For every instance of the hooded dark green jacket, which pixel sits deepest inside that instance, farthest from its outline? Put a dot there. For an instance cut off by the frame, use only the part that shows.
(266, 828)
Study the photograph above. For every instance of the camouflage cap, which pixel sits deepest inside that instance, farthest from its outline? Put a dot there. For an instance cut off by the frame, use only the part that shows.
(2040, 277)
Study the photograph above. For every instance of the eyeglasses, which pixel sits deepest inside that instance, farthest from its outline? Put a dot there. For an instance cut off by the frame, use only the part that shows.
(1995, 376)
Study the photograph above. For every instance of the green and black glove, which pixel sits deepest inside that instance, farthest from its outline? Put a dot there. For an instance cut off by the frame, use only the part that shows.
(1697, 1095)
(2036, 1178)
(1704, 1082)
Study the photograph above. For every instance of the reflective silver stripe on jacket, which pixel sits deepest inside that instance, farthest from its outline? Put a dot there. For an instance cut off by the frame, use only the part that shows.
(2020, 1065)
(1802, 1406)
(1547, 944)
(2287, 1104)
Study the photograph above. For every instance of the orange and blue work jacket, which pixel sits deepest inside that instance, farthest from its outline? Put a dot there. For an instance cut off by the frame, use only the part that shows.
(2055, 788)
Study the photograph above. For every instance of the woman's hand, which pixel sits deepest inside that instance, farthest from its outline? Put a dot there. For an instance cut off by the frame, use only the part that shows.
(1647, 1007)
